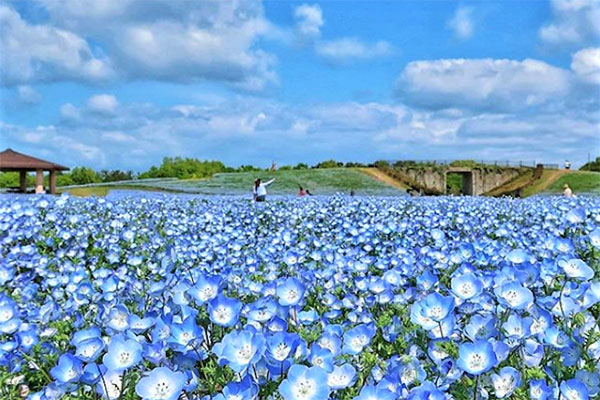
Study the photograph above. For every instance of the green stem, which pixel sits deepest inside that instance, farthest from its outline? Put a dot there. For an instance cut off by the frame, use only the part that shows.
(36, 365)
(476, 387)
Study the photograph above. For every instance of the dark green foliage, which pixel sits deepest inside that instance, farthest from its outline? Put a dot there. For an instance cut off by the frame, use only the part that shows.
(185, 168)
(592, 166)
(84, 175)
(11, 179)
(454, 183)
(115, 175)
(329, 164)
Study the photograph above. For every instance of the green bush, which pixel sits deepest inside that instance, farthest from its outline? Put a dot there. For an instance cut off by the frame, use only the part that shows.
(329, 164)
(185, 168)
(83, 176)
(592, 166)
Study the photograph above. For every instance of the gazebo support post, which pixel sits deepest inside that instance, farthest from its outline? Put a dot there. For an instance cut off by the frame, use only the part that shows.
(22, 181)
(52, 181)
(39, 181)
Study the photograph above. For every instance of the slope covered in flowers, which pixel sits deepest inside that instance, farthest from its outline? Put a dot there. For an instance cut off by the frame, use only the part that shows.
(167, 297)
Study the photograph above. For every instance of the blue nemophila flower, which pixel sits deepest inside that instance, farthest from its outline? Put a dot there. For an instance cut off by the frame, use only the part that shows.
(357, 338)
(239, 349)
(161, 384)
(187, 333)
(437, 307)
(321, 357)
(303, 383)
(122, 354)
(577, 269)
(517, 328)
(205, 289)
(110, 384)
(517, 256)
(290, 292)
(68, 370)
(466, 286)
(515, 296)
(342, 376)
(591, 381)
(28, 338)
(594, 238)
(476, 358)
(118, 318)
(282, 345)
(427, 391)
(505, 382)
(375, 393)
(224, 311)
(89, 349)
(574, 389)
(243, 390)
(539, 390)
(92, 373)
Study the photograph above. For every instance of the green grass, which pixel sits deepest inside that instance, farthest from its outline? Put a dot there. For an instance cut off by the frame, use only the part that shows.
(580, 182)
(318, 181)
(104, 189)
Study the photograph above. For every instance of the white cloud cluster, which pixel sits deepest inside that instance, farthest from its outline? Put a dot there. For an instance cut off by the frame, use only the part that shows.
(45, 53)
(350, 49)
(309, 20)
(139, 39)
(484, 84)
(340, 51)
(255, 130)
(575, 22)
(461, 22)
(586, 64)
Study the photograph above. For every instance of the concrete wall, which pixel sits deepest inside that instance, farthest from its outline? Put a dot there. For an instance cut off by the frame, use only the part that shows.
(427, 177)
(476, 181)
(484, 181)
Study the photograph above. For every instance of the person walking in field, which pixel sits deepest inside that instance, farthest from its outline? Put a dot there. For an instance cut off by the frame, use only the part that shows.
(259, 190)
(567, 192)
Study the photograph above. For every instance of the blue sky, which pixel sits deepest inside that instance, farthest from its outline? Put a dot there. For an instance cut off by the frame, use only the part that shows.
(123, 83)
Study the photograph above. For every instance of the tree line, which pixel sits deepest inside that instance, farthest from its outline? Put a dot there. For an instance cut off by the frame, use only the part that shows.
(192, 168)
(171, 167)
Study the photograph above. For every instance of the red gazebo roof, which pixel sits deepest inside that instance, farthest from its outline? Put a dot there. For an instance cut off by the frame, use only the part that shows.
(11, 160)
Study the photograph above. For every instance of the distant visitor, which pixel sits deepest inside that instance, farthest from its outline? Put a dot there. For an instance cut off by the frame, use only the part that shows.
(303, 192)
(567, 192)
(259, 191)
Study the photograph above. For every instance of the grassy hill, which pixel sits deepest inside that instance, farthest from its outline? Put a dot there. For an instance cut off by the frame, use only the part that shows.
(581, 182)
(552, 182)
(318, 181)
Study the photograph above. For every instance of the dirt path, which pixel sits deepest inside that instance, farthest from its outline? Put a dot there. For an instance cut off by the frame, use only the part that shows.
(383, 177)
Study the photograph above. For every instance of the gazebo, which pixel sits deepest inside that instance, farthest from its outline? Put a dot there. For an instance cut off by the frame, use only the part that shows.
(11, 160)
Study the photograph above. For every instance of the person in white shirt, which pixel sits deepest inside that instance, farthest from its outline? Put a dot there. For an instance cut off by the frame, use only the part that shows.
(259, 190)
(567, 192)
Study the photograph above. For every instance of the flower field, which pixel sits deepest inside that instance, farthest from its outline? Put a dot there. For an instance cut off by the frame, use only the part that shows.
(165, 297)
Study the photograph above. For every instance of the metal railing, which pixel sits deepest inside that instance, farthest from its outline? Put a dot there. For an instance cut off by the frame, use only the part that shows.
(496, 163)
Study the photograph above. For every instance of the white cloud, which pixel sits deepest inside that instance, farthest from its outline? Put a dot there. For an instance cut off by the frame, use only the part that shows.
(28, 95)
(482, 84)
(103, 103)
(462, 23)
(351, 49)
(586, 64)
(575, 22)
(139, 39)
(309, 20)
(44, 53)
(69, 112)
(251, 130)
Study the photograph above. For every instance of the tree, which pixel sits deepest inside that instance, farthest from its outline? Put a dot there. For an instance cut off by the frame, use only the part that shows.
(329, 164)
(185, 168)
(592, 165)
(84, 175)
